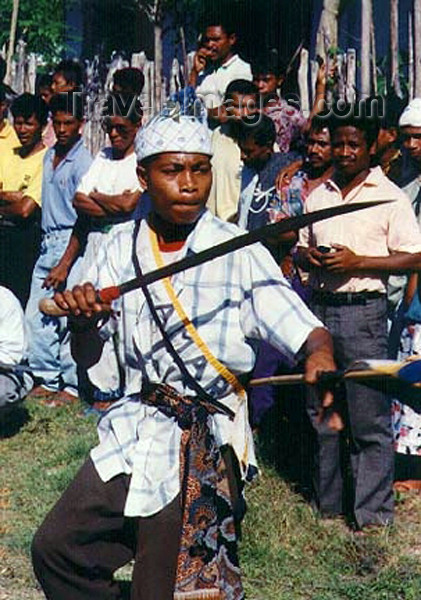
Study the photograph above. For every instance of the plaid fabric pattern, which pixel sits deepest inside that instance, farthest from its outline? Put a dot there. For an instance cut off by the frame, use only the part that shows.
(233, 302)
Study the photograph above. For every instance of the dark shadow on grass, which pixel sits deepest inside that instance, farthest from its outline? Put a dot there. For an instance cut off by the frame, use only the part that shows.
(12, 420)
(286, 438)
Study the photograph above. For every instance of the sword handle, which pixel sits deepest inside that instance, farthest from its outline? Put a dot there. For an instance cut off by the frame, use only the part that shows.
(50, 308)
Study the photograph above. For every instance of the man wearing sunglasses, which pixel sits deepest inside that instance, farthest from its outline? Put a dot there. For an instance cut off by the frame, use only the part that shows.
(107, 194)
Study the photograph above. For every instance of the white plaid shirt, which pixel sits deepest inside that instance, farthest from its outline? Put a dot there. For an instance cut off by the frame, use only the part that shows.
(233, 301)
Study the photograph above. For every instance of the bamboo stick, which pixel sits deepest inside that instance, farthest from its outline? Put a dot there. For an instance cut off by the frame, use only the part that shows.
(299, 378)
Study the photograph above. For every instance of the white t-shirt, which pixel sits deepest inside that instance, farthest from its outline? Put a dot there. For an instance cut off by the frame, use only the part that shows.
(109, 175)
(212, 87)
(12, 330)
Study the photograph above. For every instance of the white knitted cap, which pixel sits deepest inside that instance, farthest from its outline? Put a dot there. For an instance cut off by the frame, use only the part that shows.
(165, 133)
(411, 116)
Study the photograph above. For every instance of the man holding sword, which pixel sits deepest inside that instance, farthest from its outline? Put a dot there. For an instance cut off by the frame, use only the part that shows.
(164, 484)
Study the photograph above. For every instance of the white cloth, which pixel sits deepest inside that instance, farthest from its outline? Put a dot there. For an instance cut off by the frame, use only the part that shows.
(226, 175)
(411, 116)
(173, 134)
(212, 88)
(377, 231)
(12, 329)
(110, 176)
(231, 301)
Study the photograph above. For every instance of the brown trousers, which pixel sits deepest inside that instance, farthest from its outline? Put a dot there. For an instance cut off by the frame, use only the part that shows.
(85, 538)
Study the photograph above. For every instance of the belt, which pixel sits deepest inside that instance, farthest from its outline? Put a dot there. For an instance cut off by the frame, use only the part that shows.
(344, 298)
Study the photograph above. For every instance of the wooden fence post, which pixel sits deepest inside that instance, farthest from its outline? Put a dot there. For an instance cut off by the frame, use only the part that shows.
(410, 56)
(351, 73)
(417, 48)
(12, 38)
(365, 47)
(303, 82)
(394, 47)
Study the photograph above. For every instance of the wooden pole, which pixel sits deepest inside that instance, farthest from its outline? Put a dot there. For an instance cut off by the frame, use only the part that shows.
(410, 55)
(12, 38)
(351, 73)
(417, 48)
(373, 52)
(158, 59)
(299, 378)
(394, 47)
(303, 82)
(365, 47)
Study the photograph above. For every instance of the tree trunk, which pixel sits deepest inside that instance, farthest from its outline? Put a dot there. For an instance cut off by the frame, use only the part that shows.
(365, 47)
(417, 50)
(394, 47)
(12, 38)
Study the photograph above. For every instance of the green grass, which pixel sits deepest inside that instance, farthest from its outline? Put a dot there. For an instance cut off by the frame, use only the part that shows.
(287, 553)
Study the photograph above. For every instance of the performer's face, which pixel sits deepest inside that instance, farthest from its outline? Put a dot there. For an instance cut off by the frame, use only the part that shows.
(179, 185)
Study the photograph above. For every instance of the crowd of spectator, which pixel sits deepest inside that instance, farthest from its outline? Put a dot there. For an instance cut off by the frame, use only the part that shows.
(358, 273)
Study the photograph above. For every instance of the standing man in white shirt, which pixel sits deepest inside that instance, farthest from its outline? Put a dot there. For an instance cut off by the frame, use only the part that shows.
(349, 259)
(211, 77)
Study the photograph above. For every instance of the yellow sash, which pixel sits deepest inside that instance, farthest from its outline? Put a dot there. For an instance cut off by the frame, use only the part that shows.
(200, 343)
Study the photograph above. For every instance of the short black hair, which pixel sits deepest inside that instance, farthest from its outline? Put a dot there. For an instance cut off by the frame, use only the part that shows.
(362, 115)
(392, 107)
(318, 123)
(44, 80)
(68, 102)
(219, 18)
(269, 64)
(2, 93)
(71, 70)
(131, 80)
(241, 86)
(258, 127)
(27, 105)
(127, 106)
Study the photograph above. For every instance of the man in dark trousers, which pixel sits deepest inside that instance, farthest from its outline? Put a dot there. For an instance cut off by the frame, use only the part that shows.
(349, 259)
(161, 485)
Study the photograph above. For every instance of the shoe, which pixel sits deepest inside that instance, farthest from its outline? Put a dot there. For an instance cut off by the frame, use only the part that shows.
(62, 398)
(40, 393)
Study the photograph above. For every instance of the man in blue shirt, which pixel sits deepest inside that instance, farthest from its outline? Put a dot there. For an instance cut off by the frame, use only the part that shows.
(64, 166)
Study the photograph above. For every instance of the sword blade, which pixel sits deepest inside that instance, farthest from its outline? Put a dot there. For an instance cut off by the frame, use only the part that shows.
(244, 240)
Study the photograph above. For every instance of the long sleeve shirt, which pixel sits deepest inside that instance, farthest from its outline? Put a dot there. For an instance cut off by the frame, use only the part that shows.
(233, 302)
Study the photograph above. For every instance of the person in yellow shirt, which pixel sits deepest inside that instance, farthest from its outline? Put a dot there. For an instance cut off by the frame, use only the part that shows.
(20, 196)
(8, 138)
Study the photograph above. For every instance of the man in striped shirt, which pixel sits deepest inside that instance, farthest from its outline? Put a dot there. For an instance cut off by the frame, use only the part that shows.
(161, 486)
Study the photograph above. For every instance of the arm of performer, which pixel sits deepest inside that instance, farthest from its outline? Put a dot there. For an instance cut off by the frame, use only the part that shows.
(85, 313)
(319, 359)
